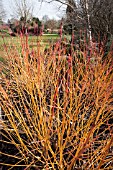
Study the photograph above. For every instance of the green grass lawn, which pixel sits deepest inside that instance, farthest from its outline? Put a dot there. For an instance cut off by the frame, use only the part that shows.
(46, 38)
(9, 44)
(45, 41)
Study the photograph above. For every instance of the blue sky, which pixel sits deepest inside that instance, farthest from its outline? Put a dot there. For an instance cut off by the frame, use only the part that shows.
(50, 9)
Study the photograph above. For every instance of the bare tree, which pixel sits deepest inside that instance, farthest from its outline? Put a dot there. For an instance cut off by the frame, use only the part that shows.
(2, 11)
(71, 13)
(102, 17)
(96, 16)
(23, 9)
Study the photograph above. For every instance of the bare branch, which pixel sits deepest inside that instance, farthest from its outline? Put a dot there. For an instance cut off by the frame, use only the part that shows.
(2, 11)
